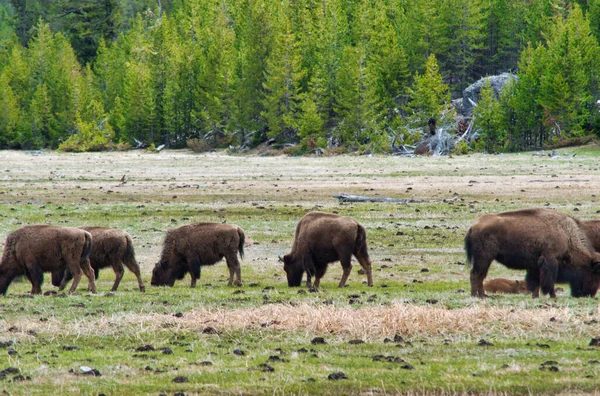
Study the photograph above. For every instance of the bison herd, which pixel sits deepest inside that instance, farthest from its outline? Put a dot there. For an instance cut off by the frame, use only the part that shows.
(550, 246)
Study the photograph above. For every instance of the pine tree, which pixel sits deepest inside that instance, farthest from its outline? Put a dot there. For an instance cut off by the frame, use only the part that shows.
(430, 97)
(569, 75)
(283, 75)
(486, 118)
(9, 114)
(357, 102)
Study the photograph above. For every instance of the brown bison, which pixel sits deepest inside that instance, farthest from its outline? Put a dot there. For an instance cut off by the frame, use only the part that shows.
(322, 238)
(33, 250)
(111, 248)
(551, 246)
(189, 247)
(508, 286)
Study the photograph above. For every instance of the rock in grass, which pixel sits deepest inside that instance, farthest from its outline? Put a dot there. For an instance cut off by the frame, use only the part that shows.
(265, 368)
(337, 376)
(145, 348)
(595, 341)
(483, 342)
(239, 352)
(85, 370)
(318, 340)
(180, 379)
(356, 342)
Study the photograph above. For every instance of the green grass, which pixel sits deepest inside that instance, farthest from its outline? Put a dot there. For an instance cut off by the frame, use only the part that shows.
(421, 289)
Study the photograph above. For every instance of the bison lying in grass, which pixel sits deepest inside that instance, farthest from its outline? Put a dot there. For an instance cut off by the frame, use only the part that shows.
(33, 250)
(110, 248)
(322, 238)
(192, 246)
(551, 246)
(507, 286)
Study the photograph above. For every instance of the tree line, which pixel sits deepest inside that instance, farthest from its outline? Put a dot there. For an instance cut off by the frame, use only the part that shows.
(103, 74)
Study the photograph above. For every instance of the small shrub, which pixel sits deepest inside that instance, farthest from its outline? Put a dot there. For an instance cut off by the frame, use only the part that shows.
(461, 148)
(198, 145)
(568, 142)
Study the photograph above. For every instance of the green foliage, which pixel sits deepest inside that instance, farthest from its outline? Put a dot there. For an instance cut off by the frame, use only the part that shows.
(240, 72)
(430, 97)
(486, 118)
(90, 136)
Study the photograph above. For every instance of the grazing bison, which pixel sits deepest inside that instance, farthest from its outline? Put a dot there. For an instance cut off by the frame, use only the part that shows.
(551, 246)
(189, 247)
(508, 286)
(33, 250)
(111, 248)
(322, 238)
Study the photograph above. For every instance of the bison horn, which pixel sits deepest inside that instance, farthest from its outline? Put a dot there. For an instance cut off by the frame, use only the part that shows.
(280, 258)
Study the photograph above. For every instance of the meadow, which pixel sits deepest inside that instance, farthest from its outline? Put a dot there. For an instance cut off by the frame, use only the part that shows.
(416, 331)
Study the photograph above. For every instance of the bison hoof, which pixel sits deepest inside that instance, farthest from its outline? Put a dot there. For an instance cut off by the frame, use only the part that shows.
(313, 289)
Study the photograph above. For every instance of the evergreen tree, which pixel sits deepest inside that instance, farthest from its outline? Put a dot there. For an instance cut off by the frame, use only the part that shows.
(486, 118)
(430, 97)
(570, 75)
(357, 102)
(255, 32)
(283, 75)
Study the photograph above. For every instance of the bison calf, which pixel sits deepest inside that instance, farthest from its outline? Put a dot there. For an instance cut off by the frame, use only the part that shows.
(508, 286)
(111, 248)
(323, 238)
(33, 250)
(191, 246)
(551, 246)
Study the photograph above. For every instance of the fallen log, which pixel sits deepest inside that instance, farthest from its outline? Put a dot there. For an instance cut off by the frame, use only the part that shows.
(343, 197)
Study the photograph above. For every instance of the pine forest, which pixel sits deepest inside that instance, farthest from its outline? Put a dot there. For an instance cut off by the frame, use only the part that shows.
(92, 75)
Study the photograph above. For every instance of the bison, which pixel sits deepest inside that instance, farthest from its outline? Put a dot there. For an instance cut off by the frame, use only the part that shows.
(508, 286)
(189, 247)
(551, 246)
(323, 238)
(111, 248)
(33, 250)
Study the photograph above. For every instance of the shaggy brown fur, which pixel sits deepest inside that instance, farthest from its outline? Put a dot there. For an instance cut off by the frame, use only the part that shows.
(33, 250)
(551, 246)
(508, 286)
(191, 246)
(323, 238)
(592, 230)
(111, 248)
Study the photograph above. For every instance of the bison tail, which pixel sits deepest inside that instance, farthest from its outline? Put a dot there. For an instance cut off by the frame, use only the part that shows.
(242, 241)
(469, 247)
(361, 242)
(87, 247)
(129, 256)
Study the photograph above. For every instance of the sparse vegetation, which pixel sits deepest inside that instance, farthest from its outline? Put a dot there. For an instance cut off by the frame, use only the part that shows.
(421, 332)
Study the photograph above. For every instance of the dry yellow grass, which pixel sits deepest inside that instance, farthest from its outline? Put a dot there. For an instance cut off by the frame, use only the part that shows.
(345, 322)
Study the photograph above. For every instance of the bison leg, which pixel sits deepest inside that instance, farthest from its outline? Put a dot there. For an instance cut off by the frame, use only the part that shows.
(36, 277)
(76, 270)
(532, 278)
(89, 273)
(366, 264)
(548, 270)
(347, 267)
(119, 272)
(320, 271)
(478, 274)
(234, 269)
(135, 268)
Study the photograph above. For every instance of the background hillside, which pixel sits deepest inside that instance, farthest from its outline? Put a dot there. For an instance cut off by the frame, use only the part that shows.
(94, 75)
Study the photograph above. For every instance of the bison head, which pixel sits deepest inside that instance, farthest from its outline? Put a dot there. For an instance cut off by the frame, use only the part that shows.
(163, 275)
(294, 269)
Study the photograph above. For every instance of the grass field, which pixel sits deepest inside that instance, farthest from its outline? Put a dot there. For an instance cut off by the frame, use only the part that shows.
(416, 331)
